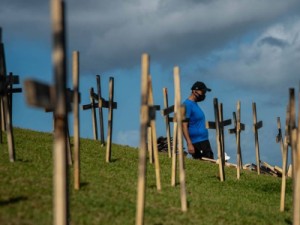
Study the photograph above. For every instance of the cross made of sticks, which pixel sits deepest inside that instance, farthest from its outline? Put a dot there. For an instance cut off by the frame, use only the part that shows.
(6, 93)
(219, 125)
(97, 101)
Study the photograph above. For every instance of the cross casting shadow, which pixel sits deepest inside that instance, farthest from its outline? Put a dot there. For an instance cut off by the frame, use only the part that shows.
(12, 200)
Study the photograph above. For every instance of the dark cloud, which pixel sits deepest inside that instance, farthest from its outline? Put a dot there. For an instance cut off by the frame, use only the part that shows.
(113, 34)
(273, 41)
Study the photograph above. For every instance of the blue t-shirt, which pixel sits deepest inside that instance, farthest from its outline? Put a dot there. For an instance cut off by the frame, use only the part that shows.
(196, 125)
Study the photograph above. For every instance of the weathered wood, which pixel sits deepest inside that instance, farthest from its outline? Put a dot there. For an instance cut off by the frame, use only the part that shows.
(225, 122)
(221, 123)
(168, 110)
(210, 125)
(154, 137)
(283, 148)
(76, 123)
(218, 125)
(167, 121)
(174, 154)
(218, 139)
(256, 126)
(296, 159)
(240, 127)
(61, 206)
(110, 119)
(6, 115)
(94, 118)
(2, 123)
(150, 146)
(179, 116)
(39, 94)
(144, 119)
(101, 123)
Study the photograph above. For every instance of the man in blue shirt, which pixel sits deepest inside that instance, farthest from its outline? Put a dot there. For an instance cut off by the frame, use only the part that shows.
(194, 131)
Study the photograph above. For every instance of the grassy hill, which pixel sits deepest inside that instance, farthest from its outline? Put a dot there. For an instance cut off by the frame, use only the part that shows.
(108, 190)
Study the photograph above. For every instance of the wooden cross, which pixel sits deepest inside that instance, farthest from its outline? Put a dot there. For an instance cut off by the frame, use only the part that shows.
(93, 105)
(98, 102)
(284, 150)
(294, 133)
(179, 117)
(256, 126)
(219, 125)
(101, 124)
(6, 93)
(111, 105)
(153, 138)
(144, 121)
(76, 123)
(40, 95)
(238, 127)
(165, 112)
(167, 120)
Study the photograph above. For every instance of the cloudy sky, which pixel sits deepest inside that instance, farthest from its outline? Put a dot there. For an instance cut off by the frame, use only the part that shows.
(243, 50)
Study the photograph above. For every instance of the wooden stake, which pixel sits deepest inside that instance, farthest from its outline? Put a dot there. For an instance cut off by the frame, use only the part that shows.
(284, 148)
(94, 118)
(296, 159)
(150, 147)
(61, 206)
(101, 124)
(238, 127)
(256, 126)
(218, 125)
(179, 118)
(292, 126)
(154, 137)
(167, 122)
(76, 120)
(6, 114)
(110, 119)
(174, 154)
(144, 119)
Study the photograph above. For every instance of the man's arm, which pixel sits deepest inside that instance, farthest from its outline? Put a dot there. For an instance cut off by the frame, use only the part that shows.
(186, 135)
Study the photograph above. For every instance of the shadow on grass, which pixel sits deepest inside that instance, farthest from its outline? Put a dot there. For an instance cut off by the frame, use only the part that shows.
(12, 200)
(24, 160)
(83, 184)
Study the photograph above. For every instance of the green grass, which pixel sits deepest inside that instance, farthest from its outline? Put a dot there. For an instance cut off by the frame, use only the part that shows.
(108, 190)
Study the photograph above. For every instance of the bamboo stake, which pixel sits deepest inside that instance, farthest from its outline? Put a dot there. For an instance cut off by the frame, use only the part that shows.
(180, 141)
(2, 73)
(219, 142)
(238, 140)
(292, 125)
(220, 111)
(76, 123)
(256, 137)
(6, 113)
(284, 148)
(296, 154)
(144, 119)
(110, 119)
(167, 122)
(174, 149)
(150, 148)
(154, 137)
(94, 119)
(101, 123)
(61, 206)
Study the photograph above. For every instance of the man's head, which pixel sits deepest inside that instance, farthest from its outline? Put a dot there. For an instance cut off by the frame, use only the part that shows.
(200, 86)
(198, 90)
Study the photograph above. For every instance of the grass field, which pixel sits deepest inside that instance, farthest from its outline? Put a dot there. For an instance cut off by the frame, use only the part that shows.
(108, 190)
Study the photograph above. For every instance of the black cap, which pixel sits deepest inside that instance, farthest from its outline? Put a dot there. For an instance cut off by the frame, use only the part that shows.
(200, 86)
